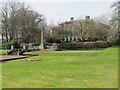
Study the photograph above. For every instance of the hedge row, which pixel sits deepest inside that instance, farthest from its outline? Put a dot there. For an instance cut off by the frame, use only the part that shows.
(8, 44)
(84, 45)
(5, 46)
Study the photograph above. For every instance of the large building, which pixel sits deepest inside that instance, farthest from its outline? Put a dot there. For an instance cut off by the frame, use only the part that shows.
(72, 30)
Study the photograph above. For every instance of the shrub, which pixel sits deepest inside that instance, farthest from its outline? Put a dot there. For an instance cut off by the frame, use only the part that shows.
(0, 46)
(102, 44)
(36, 44)
(84, 45)
(79, 44)
(6, 46)
(67, 46)
(115, 42)
(88, 45)
(52, 40)
(15, 43)
(58, 49)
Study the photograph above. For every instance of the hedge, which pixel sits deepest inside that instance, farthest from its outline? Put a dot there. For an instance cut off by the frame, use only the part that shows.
(5, 46)
(8, 45)
(84, 45)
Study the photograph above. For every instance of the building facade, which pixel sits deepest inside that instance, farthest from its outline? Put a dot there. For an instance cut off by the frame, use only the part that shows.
(72, 30)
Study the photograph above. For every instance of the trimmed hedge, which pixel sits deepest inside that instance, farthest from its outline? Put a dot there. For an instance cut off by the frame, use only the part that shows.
(67, 46)
(5, 46)
(84, 45)
(8, 45)
(102, 44)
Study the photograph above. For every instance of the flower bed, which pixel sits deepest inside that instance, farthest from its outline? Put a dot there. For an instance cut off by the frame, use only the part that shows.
(33, 59)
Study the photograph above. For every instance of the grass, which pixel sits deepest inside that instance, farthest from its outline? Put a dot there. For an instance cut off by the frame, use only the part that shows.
(64, 69)
(3, 52)
(0, 75)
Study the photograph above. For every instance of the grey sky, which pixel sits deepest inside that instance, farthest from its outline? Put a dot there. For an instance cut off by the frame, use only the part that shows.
(60, 10)
(57, 11)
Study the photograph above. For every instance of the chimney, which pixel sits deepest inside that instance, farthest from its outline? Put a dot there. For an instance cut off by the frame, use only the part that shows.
(87, 17)
(72, 18)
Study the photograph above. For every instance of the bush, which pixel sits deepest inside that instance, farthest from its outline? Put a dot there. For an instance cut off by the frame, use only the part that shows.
(52, 40)
(58, 49)
(36, 44)
(115, 42)
(6, 46)
(102, 44)
(0, 46)
(84, 45)
(67, 46)
(118, 42)
(15, 43)
(88, 45)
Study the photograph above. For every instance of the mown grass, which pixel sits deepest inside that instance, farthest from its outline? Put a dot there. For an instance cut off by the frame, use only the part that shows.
(0, 75)
(64, 69)
(3, 52)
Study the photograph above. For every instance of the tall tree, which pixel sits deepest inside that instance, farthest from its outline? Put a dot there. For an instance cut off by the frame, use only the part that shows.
(20, 22)
(115, 20)
(5, 23)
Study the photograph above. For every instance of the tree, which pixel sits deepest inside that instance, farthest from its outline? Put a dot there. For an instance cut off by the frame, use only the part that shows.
(9, 11)
(20, 23)
(115, 20)
(116, 9)
(84, 30)
(13, 8)
(5, 23)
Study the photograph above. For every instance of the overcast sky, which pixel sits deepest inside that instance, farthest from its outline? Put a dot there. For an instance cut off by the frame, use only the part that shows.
(61, 10)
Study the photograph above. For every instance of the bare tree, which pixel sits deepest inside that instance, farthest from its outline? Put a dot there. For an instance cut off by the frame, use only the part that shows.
(19, 22)
(115, 20)
(5, 23)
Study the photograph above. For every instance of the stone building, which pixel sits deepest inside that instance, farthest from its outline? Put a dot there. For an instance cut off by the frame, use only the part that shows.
(71, 30)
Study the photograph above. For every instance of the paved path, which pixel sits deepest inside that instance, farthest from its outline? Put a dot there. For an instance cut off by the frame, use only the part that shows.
(10, 57)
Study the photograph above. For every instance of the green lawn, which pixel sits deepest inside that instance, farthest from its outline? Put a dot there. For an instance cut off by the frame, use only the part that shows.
(3, 52)
(0, 76)
(64, 69)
